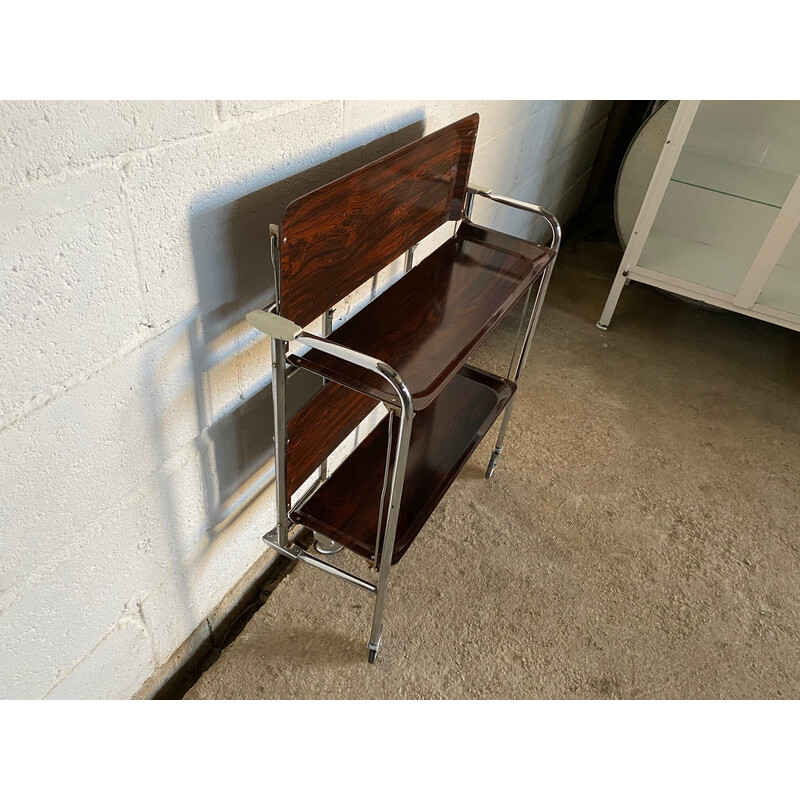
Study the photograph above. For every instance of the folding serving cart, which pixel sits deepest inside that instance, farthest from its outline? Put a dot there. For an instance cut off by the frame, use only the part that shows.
(406, 349)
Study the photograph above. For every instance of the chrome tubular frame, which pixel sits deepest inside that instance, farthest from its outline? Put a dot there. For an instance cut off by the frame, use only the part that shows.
(296, 553)
(282, 331)
(278, 358)
(470, 201)
(395, 495)
(406, 413)
(322, 544)
(514, 360)
(555, 244)
(473, 190)
(278, 355)
(520, 366)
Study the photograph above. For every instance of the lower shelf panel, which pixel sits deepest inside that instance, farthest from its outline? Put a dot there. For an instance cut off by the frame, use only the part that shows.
(443, 437)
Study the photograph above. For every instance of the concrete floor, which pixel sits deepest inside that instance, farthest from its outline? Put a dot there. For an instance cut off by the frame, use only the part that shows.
(639, 538)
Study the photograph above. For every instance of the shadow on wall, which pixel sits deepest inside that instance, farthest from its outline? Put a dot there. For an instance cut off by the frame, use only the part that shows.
(230, 247)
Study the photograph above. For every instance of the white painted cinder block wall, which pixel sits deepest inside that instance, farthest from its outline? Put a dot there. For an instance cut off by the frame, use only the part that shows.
(134, 402)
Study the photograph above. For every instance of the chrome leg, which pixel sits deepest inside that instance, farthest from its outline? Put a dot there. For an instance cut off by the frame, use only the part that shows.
(322, 544)
(513, 361)
(280, 536)
(520, 366)
(468, 204)
(278, 352)
(395, 497)
(276, 326)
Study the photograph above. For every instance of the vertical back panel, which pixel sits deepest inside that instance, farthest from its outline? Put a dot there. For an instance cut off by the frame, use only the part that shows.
(339, 236)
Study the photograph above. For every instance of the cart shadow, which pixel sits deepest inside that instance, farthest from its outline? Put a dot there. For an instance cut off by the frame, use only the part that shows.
(230, 246)
(275, 647)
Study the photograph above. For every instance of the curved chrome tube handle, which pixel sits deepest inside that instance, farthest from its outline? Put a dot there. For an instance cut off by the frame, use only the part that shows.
(282, 328)
(555, 226)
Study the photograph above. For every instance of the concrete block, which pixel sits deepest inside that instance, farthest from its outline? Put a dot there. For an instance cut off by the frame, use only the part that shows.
(40, 138)
(227, 109)
(195, 648)
(539, 146)
(231, 109)
(216, 562)
(564, 169)
(566, 205)
(540, 143)
(151, 539)
(363, 120)
(439, 113)
(499, 163)
(541, 171)
(572, 163)
(68, 283)
(203, 208)
(573, 119)
(165, 542)
(497, 116)
(254, 359)
(526, 149)
(433, 241)
(85, 452)
(99, 677)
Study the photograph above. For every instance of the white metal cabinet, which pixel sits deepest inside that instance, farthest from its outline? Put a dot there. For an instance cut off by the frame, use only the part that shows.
(719, 219)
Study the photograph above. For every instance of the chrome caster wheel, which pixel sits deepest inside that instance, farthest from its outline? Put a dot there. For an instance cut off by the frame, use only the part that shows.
(372, 649)
(492, 464)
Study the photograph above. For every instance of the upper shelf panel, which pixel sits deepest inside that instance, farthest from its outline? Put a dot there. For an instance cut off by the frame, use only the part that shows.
(426, 324)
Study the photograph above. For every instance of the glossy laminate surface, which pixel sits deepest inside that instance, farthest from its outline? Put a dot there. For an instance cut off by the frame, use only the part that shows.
(428, 322)
(319, 427)
(337, 237)
(346, 508)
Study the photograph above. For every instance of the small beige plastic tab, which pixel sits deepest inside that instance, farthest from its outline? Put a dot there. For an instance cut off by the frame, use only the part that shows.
(478, 189)
(274, 326)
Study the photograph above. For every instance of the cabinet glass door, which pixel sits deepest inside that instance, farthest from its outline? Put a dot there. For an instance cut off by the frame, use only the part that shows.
(734, 173)
(782, 289)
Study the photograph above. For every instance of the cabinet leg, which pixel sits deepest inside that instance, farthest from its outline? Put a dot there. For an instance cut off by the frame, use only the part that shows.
(620, 282)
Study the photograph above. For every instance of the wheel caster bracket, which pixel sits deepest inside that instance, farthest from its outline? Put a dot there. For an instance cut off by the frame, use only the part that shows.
(493, 462)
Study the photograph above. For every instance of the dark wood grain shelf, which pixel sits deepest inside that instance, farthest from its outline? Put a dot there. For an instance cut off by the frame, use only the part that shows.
(444, 435)
(428, 322)
(319, 427)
